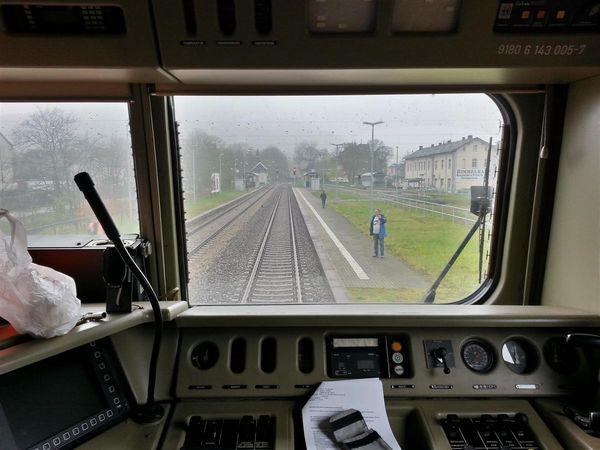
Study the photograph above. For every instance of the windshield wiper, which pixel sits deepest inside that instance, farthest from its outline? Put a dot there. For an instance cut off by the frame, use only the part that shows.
(480, 204)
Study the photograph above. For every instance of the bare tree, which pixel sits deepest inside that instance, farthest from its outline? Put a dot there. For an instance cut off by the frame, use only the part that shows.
(47, 154)
(202, 152)
(354, 158)
(276, 161)
(306, 154)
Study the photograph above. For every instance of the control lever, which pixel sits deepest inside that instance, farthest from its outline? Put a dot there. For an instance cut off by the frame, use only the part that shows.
(583, 339)
(440, 354)
(589, 423)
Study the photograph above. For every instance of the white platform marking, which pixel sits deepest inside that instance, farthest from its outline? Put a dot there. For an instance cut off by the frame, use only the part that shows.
(360, 273)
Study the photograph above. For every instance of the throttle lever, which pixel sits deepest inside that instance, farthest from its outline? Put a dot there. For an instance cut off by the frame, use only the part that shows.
(440, 354)
(583, 339)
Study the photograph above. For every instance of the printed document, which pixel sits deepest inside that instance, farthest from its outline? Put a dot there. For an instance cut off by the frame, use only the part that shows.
(331, 397)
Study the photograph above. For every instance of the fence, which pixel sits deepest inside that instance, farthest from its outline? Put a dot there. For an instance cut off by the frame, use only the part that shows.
(455, 214)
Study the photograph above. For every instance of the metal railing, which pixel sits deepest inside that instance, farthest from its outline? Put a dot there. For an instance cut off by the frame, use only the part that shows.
(455, 214)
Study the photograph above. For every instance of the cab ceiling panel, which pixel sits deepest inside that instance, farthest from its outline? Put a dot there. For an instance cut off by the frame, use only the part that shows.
(83, 40)
(379, 41)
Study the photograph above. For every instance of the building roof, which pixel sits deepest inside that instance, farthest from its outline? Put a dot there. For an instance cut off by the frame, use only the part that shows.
(445, 147)
(259, 167)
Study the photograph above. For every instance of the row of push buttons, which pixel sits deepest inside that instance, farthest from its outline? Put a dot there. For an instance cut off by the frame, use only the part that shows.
(397, 358)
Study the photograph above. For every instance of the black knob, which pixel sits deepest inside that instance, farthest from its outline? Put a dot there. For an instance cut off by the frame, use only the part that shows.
(583, 339)
(440, 354)
(453, 419)
(521, 419)
(595, 421)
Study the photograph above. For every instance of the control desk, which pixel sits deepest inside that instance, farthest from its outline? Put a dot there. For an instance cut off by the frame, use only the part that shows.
(233, 388)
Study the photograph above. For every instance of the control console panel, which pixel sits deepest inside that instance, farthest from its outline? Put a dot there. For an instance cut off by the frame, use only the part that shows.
(489, 431)
(368, 357)
(230, 434)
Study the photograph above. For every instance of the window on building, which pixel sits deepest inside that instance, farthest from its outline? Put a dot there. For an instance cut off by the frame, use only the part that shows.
(436, 164)
(464, 163)
(449, 164)
(474, 163)
(442, 163)
(474, 147)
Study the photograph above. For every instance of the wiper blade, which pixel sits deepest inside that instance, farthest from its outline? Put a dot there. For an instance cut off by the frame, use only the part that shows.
(480, 206)
(429, 297)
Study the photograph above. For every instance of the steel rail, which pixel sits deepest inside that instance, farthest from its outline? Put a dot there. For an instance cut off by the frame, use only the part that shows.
(296, 260)
(259, 256)
(202, 244)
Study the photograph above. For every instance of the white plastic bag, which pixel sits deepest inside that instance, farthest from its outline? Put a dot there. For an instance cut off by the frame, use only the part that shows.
(34, 299)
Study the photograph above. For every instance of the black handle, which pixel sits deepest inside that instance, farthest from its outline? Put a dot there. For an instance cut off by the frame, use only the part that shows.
(583, 339)
(440, 354)
(86, 185)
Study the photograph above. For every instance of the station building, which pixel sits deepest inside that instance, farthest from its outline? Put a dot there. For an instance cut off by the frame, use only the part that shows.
(450, 166)
(259, 174)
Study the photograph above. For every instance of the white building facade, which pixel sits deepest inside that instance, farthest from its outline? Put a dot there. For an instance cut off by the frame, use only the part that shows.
(451, 166)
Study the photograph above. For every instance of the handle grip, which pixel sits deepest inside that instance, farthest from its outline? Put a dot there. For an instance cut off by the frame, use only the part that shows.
(86, 185)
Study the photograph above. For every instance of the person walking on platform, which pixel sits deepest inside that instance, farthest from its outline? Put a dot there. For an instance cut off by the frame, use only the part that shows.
(323, 197)
(378, 231)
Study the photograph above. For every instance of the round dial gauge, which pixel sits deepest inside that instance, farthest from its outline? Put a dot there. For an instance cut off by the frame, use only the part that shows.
(477, 356)
(205, 355)
(519, 356)
(562, 357)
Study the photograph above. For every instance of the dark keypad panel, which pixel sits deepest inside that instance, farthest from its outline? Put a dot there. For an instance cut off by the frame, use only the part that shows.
(246, 432)
(502, 432)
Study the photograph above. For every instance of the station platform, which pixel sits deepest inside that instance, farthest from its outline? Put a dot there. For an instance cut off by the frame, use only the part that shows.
(347, 254)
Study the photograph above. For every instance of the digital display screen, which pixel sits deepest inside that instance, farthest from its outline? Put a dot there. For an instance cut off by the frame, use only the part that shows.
(54, 397)
(365, 364)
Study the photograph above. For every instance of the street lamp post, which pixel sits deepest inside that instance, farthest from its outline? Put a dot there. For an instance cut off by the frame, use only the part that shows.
(235, 174)
(194, 172)
(220, 171)
(337, 154)
(372, 125)
(396, 171)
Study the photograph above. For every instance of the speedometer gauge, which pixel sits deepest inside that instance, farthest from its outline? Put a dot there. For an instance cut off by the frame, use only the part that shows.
(477, 356)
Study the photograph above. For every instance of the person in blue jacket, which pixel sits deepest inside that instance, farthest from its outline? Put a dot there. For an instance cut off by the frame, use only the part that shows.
(378, 231)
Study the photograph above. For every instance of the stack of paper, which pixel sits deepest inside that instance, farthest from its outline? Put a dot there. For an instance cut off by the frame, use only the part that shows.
(365, 395)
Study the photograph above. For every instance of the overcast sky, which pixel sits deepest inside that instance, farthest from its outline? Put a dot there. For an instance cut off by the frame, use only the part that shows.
(409, 120)
(106, 119)
(285, 121)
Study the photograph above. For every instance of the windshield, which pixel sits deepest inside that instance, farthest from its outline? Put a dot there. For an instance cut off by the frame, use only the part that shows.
(338, 199)
(42, 147)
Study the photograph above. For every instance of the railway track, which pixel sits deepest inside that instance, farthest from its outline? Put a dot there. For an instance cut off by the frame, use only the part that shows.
(275, 276)
(219, 220)
(261, 253)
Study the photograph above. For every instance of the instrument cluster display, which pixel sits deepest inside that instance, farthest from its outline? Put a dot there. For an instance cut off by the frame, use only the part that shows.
(478, 356)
